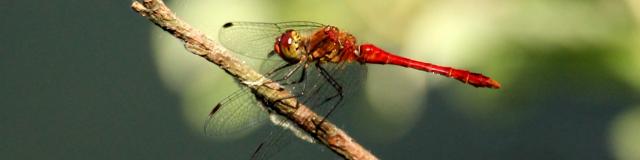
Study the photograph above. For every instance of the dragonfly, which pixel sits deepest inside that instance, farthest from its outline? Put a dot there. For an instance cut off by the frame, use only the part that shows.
(319, 64)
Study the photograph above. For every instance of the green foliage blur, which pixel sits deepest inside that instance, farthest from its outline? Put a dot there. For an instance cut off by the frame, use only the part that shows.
(94, 80)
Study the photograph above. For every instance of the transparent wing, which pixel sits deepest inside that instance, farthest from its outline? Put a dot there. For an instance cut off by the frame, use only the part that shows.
(277, 140)
(313, 90)
(239, 112)
(316, 90)
(321, 87)
(256, 40)
(326, 95)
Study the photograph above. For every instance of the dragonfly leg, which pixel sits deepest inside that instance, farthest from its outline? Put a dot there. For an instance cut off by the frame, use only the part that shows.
(268, 74)
(287, 76)
(335, 86)
(284, 98)
(301, 64)
(300, 79)
(304, 86)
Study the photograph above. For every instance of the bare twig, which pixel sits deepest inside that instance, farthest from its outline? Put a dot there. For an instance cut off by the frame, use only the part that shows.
(197, 43)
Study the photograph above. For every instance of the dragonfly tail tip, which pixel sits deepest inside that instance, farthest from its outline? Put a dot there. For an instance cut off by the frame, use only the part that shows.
(494, 84)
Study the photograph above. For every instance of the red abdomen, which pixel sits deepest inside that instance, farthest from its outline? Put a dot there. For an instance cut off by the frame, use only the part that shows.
(372, 54)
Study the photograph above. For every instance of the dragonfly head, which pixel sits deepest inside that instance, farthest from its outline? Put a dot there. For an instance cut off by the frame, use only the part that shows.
(289, 46)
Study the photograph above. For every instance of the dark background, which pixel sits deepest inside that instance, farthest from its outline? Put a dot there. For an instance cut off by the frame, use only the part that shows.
(78, 80)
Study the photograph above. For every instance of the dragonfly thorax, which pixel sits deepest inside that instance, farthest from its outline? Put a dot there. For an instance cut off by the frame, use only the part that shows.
(325, 45)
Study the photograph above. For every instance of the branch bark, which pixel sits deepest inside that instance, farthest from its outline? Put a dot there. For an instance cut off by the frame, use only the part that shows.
(197, 43)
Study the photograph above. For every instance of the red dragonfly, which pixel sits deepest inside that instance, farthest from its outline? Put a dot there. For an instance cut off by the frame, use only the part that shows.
(319, 64)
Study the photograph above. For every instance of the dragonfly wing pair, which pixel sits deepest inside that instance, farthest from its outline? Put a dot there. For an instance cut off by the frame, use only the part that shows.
(319, 86)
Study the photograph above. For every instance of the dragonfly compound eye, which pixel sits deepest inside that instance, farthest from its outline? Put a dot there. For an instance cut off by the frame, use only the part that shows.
(288, 46)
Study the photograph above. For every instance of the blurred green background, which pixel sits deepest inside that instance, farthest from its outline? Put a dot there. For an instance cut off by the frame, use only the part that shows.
(94, 80)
